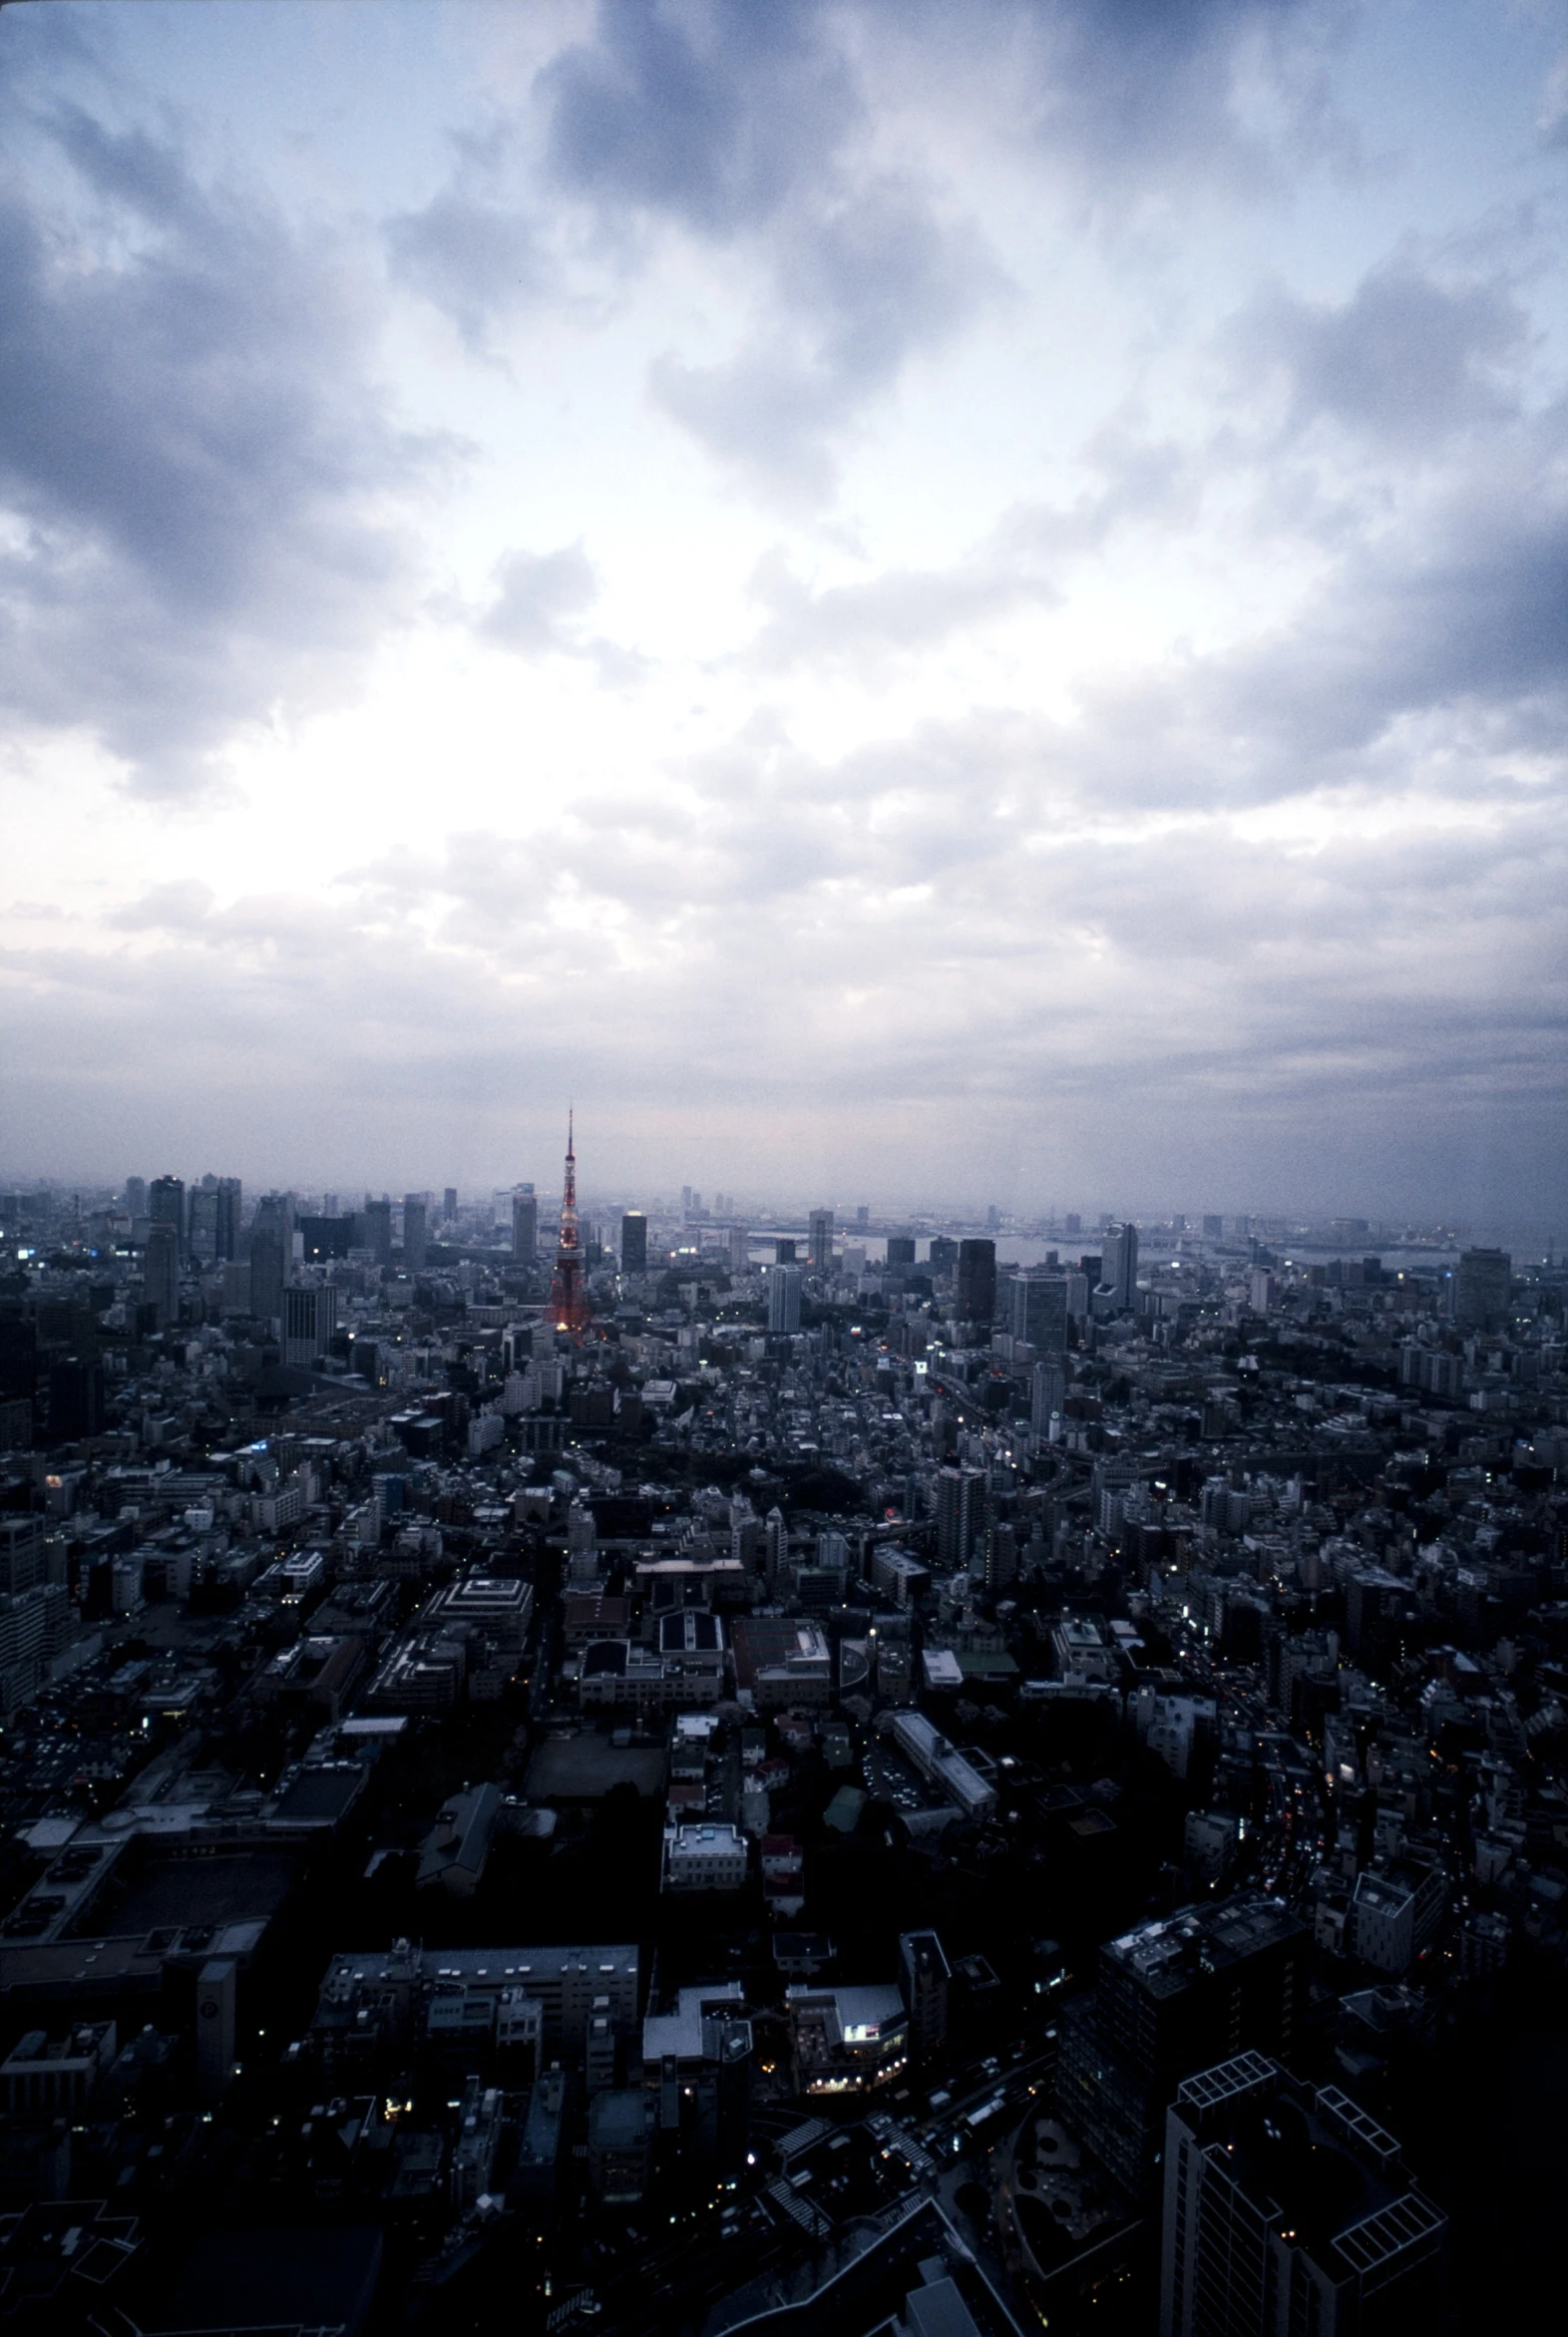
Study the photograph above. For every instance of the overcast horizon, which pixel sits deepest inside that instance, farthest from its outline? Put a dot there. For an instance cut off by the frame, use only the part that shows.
(895, 598)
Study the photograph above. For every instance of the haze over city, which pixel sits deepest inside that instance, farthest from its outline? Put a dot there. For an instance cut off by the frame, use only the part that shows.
(961, 604)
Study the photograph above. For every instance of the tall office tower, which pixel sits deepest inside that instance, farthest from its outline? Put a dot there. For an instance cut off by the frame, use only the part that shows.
(944, 1254)
(863, 1218)
(1038, 1311)
(820, 1241)
(1047, 1393)
(378, 1229)
(1289, 2209)
(996, 1559)
(415, 1232)
(1072, 1225)
(739, 1249)
(775, 1551)
(685, 1201)
(783, 1300)
(961, 1516)
(634, 1242)
(1481, 1282)
(229, 1196)
(310, 1317)
(525, 1226)
(975, 1296)
(900, 1252)
(167, 1206)
(135, 1197)
(783, 1251)
(203, 1241)
(448, 1204)
(568, 1307)
(1213, 1228)
(924, 1981)
(160, 1272)
(272, 1256)
(1170, 1995)
(1120, 1266)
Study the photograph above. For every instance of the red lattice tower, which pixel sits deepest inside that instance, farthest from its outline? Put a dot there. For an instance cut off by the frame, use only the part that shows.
(568, 1307)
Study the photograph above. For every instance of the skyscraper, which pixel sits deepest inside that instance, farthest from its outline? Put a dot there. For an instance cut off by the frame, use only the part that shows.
(448, 1204)
(1038, 1311)
(1481, 1284)
(923, 1980)
(271, 1257)
(203, 1240)
(739, 1249)
(414, 1232)
(634, 1242)
(378, 1229)
(167, 1206)
(820, 1241)
(161, 1269)
(568, 1308)
(1290, 2209)
(1047, 1393)
(135, 1197)
(1120, 1266)
(308, 1319)
(525, 1226)
(975, 1296)
(783, 1300)
(961, 1516)
(900, 1251)
(229, 1196)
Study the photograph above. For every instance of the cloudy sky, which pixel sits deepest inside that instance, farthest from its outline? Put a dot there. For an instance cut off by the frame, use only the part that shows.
(906, 599)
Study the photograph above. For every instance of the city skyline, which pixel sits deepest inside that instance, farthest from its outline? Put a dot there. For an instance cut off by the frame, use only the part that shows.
(920, 600)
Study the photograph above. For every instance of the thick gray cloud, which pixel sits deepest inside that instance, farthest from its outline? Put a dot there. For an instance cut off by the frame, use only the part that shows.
(1405, 360)
(196, 455)
(1141, 88)
(714, 114)
(477, 260)
(860, 288)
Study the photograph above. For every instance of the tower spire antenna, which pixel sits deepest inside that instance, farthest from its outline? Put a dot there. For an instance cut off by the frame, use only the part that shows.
(568, 1308)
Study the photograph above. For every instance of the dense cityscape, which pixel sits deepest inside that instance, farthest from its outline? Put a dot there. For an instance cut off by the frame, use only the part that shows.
(679, 1768)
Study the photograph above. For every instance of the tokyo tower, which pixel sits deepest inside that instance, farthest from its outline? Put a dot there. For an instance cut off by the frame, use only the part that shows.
(568, 1308)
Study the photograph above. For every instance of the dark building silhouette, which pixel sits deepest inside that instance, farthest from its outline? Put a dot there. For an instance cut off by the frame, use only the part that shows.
(167, 1206)
(377, 1234)
(634, 1243)
(1170, 1996)
(974, 1296)
(1290, 2209)
(924, 1982)
(1038, 1311)
(160, 1269)
(961, 1516)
